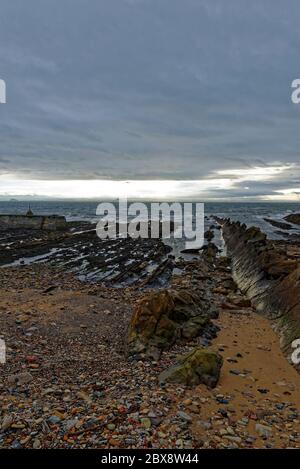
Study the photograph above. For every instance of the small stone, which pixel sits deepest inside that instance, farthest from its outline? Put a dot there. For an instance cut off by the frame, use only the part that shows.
(18, 426)
(36, 444)
(221, 400)
(223, 412)
(146, 422)
(16, 445)
(184, 416)
(235, 439)
(7, 422)
(111, 426)
(48, 391)
(179, 443)
(84, 396)
(20, 378)
(68, 424)
(187, 401)
(223, 432)
(230, 431)
(54, 419)
(205, 425)
(22, 318)
(25, 440)
(263, 430)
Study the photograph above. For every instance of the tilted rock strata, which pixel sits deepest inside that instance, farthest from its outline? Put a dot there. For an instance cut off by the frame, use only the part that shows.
(269, 275)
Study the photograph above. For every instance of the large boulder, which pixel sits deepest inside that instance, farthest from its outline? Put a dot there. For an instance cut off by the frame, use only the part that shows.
(163, 316)
(150, 324)
(196, 367)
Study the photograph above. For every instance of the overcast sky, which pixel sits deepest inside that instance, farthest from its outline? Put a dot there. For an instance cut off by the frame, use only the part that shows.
(177, 90)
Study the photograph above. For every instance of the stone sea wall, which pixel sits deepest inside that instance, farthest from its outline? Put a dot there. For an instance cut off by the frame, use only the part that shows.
(269, 274)
(35, 222)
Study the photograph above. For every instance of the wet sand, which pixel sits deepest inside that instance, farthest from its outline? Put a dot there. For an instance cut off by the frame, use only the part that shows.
(267, 390)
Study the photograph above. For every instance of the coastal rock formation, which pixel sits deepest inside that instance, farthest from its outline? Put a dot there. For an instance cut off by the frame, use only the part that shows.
(196, 367)
(278, 224)
(163, 316)
(269, 274)
(78, 249)
(293, 218)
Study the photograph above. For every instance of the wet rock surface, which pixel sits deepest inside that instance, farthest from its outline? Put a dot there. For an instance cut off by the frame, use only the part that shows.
(117, 261)
(278, 224)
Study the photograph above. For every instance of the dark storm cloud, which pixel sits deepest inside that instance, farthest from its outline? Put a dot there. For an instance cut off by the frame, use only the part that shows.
(157, 89)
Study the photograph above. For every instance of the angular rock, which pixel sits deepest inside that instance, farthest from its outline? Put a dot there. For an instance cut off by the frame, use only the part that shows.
(20, 378)
(164, 316)
(196, 367)
(150, 325)
(194, 326)
(6, 422)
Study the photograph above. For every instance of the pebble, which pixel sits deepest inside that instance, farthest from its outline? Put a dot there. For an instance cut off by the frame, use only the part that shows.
(36, 444)
(54, 419)
(111, 426)
(146, 422)
(263, 430)
(205, 425)
(6, 422)
(184, 416)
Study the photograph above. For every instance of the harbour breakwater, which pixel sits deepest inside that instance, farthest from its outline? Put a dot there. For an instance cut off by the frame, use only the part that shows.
(33, 222)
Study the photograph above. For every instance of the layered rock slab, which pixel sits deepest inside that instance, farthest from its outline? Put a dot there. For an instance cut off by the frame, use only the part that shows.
(269, 274)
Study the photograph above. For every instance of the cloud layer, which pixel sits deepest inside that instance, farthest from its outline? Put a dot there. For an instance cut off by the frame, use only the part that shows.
(151, 89)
